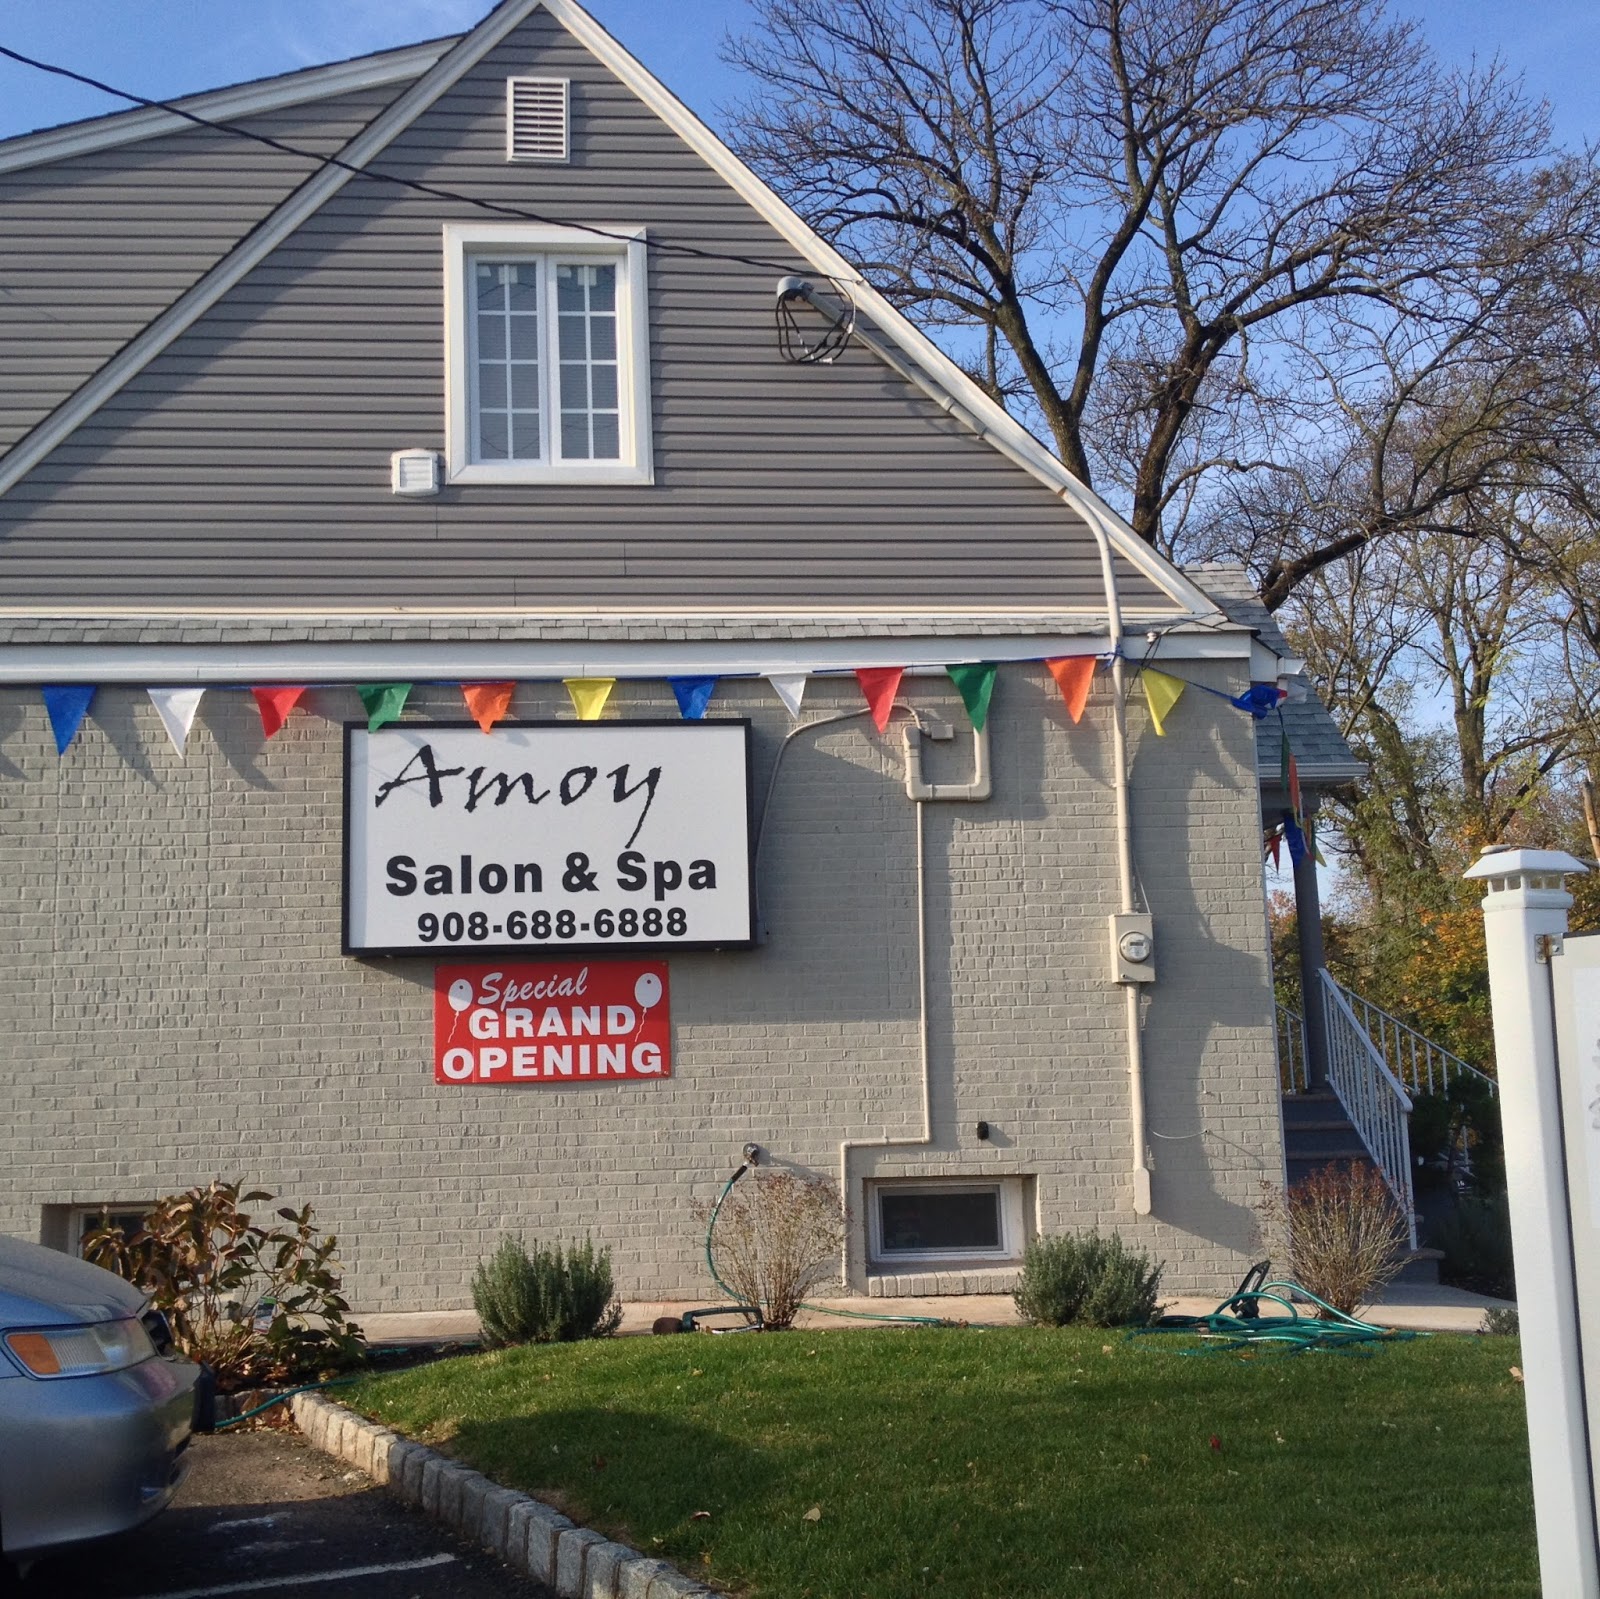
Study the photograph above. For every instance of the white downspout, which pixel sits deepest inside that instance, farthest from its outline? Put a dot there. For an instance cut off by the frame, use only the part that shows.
(1125, 878)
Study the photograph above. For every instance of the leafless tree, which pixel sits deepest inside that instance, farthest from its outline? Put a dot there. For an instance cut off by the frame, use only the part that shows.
(1145, 224)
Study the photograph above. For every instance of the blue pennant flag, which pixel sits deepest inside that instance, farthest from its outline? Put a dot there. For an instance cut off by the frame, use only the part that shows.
(1295, 839)
(693, 694)
(1260, 699)
(67, 704)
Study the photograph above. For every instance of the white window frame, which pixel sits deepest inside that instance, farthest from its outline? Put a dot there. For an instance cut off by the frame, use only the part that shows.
(465, 242)
(1012, 1226)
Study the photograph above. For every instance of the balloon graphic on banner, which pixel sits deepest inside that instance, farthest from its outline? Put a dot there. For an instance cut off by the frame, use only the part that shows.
(648, 992)
(460, 997)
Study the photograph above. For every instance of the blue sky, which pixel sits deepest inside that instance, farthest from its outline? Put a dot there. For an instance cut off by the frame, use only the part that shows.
(161, 48)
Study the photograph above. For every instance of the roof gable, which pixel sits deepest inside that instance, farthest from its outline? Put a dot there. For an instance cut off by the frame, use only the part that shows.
(395, 131)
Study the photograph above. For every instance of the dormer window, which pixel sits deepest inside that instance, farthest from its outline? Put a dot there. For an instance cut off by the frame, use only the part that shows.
(547, 354)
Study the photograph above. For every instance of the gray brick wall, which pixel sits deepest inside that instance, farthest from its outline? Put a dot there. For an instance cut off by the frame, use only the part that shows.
(177, 1007)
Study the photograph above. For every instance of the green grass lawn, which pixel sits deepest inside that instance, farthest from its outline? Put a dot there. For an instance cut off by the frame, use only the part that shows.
(1008, 1463)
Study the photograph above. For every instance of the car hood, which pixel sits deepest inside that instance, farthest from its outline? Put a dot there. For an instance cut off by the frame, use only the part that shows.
(44, 1288)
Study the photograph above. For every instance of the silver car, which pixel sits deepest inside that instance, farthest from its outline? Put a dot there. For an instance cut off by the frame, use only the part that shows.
(94, 1417)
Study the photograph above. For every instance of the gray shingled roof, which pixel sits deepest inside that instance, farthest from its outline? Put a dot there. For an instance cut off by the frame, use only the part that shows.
(1322, 757)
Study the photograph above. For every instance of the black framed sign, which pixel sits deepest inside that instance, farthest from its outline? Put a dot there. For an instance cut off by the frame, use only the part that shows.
(547, 835)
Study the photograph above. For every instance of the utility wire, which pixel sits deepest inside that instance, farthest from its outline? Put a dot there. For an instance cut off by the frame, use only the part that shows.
(433, 191)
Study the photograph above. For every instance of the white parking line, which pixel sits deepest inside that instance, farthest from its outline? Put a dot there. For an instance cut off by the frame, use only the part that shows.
(343, 1573)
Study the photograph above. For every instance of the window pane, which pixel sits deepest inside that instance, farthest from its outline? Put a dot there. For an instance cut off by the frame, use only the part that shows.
(491, 385)
(524, 288)
(525, 386)
(603, 338)
(570, 294)
(603, 387)
(574, 338)
(493, 436)
(575, 436)
(602, 288)
(607, 444)
(523, 337)
(967, 1219)
(491, 295)
(574, 387)
(492, 338)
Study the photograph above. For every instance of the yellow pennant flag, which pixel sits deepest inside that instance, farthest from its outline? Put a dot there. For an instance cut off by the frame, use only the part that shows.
(589, 695)
(1161, 694)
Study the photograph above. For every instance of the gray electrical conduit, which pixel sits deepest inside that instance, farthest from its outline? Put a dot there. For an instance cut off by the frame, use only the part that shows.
(1093, 513)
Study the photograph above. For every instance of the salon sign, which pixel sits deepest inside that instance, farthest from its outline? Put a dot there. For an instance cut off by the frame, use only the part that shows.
(536, 1023)
(547, 837)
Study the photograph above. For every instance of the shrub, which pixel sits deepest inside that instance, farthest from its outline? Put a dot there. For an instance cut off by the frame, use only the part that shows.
(1341, 1233)
(256, 1304)
(553, 1296)
(1087, 1278)
(1501, 1321)
(776, 1235)
(1476, 1240)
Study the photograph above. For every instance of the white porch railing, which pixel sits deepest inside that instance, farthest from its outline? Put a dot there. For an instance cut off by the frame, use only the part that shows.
(1292, 1075)
(1374, 1099)
(1422, 1065)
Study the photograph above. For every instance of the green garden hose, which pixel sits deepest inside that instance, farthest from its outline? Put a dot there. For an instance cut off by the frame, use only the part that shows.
(1225, 1331)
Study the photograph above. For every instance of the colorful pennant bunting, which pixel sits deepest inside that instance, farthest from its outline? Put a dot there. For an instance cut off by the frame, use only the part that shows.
(275, 705)
(880, 684)
(1296, 804)
(1161, 694)
(488, 702)
(1295, 839)
(1283, 762)
(976, 683)
(1073, 675)
(693, 695)
(1275, 847)
(176, 707)
(67, 706)
(1260, 700)
(790, 687)
(589, 695)
(383, 702)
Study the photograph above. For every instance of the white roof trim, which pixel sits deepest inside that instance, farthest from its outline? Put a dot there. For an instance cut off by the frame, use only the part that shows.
(1007, 431)
(221, 105)
(195, 301)
(362, 661)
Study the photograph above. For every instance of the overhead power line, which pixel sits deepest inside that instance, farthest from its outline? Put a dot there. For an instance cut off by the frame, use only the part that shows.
(433, 191)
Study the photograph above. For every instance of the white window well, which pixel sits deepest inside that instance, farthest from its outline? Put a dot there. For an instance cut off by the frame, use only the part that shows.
(959, 1219)
(547, 376)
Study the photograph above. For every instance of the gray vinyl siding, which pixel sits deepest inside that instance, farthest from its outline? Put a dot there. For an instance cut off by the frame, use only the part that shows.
(93, 248)
(249, 464)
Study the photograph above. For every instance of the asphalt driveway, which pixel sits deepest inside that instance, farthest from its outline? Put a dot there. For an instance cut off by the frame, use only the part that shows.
(262, 1513)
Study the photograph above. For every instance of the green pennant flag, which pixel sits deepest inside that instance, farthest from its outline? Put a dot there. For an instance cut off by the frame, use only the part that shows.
(976, 682)
(383, 702)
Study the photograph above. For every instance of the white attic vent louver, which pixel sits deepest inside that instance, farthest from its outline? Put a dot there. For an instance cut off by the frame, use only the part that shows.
(536, 119)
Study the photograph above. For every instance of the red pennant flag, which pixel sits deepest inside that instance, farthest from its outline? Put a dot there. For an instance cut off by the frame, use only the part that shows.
(880, 684)
(275, 705)
(488, 702)
(1073, 674)
(1274, 846)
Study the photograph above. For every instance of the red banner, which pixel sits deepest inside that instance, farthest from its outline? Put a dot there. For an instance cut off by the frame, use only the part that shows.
(542, 1022)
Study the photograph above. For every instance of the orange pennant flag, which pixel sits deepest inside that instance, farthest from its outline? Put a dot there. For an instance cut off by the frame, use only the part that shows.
(880, 684)
(488, 702)
(275, 705)
(1073, 675)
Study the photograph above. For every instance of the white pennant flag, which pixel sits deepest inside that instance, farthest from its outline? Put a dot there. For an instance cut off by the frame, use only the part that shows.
(176, 707)
(790, 687)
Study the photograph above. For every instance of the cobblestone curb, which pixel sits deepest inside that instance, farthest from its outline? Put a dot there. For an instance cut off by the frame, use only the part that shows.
(523, 1532)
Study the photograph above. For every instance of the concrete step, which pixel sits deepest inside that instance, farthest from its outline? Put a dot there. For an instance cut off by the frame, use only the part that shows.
(1422, 1266)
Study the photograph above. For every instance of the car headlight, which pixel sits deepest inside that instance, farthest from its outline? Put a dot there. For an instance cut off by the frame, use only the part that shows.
(81, 1351)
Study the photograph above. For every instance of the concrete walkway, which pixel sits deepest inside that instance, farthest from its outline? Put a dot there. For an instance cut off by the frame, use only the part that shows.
(1423, 1306)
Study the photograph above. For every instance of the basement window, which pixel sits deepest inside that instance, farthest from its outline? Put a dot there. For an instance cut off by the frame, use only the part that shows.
(547, 354)
(955, 1220)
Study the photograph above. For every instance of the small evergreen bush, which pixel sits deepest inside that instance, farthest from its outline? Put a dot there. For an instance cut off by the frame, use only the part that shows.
(549, 1297)
(1086, 1278)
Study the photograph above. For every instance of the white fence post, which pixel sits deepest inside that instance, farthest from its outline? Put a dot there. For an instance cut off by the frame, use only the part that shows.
(1525, 905)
